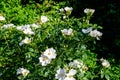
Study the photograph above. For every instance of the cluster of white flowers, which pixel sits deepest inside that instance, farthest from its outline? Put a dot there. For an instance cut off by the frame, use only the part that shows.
(62, 75)
(93, 33)
(27, 28)
(25, 41)
(6, 26)
(2, 18)
(105, 63)
(23, 27)
(50, 53)
(66, 11)
(47, 56)
(23, 71)
(44, 19)
(67, 32)
(87, 11)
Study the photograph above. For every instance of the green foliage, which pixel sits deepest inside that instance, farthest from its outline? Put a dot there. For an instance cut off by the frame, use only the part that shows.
(23, 45)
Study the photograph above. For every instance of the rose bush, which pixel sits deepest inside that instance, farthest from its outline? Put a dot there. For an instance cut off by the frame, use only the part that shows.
(49, 44)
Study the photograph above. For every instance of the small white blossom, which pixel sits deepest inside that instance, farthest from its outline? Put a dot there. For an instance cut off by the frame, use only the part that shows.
(68, 9)
(95, 33)
(23, 27)
(62, 10)
(44, 19)
(67, 32)
(19, 71)
(23, 71)
(8, 25)
(35, 26)
(78, 64)
(105, 63)
(75, 64)
(64, 17)
(25, 41)
(50, 53)
(87, 11)
(85, 31)
(2, 18)
(60, 75)
(44, 60)
(28, 31)
(70, 75)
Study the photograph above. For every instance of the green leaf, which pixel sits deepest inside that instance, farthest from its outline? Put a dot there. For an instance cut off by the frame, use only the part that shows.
(102, 74)
(107, 77)
(31, 49)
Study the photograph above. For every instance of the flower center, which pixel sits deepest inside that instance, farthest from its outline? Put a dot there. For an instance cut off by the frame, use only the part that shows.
(49, 53)
(70, 76)
(44, 59)
(62, 75)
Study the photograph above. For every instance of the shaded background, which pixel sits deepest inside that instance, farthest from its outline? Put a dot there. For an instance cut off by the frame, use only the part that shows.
(107, 15)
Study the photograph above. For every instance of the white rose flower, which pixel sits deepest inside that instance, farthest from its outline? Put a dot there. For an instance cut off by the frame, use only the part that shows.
(70, 75)
(75, 64)
(67, 32)
(89, 11)
(96, 34)
(28, 31)
(8, 25)
(44, 19)
(19, 71)
(23, 71)
(60, 75)
(23, 27)
(61, 10)
(64, 17)
(68, 9)
(2, 18)
(105, 63)
(50, 53)
(44, 60)
(35, 26)
(25, 41)
(85, 31)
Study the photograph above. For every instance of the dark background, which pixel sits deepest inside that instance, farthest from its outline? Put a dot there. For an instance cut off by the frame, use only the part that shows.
(107, 15)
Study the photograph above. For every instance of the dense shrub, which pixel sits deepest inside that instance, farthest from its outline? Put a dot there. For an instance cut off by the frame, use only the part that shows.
(44, 41)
